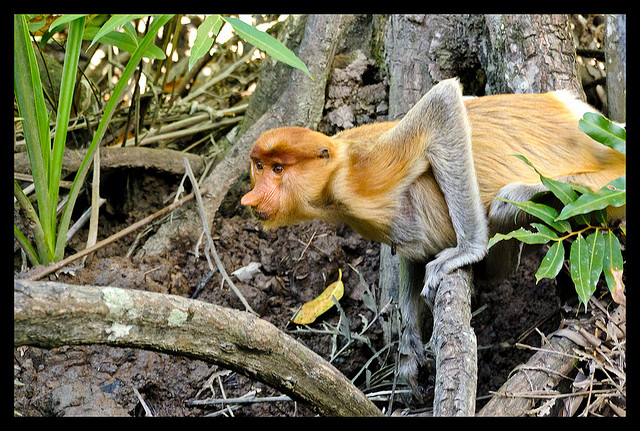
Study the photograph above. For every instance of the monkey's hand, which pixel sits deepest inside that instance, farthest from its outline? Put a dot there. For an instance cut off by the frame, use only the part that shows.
(444, 263)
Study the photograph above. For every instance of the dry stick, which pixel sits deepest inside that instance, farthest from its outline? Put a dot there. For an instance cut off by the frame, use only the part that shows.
(207, 232)
(239, 400)
(527, 381)
(455, 346)
(222, 75)
(95, 201)
(190, 131)
(37, 273)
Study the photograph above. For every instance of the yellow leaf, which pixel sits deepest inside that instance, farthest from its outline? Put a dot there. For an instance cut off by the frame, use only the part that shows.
(310, 311)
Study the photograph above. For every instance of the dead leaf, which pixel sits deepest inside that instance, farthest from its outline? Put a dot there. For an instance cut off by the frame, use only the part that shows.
(618, 290)
(310, 311)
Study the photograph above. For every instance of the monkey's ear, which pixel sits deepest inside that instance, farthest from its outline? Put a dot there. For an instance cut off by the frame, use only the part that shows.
(323, 153)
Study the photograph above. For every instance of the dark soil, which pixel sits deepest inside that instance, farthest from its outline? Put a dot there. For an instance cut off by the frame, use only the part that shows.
(296, 264)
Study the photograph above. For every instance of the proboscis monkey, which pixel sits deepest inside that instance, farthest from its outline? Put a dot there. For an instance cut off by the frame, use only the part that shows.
(426, 185)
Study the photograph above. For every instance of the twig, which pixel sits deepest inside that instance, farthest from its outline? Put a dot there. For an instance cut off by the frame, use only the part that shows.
(146, 408)
(191, 131)
(306, 246)
(39, 272)
(552, 394)
(240, 400)
(81, 221)
(95, 202)
(222, 75)
(212, 248)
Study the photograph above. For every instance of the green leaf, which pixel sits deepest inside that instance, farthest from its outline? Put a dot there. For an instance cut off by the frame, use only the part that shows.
(156, 24)
(551, 263)
(613, 194)
(34, 26)
(58, 25)
(544, 230)
(565, 192)
(562, 191)
(543, 212)
(604, 131)
(202, 44)
(595, 244)
(124, 42)
(581, 270)
(117, 20)
(612, 258)
(267, 43)
(522, 235)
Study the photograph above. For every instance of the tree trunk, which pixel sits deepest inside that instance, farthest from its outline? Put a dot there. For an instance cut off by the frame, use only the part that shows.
(416, 59)
(529, 54)
(615, 51)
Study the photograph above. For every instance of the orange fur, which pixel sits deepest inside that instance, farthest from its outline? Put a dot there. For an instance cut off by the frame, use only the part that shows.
(364, 176)
(427, 183)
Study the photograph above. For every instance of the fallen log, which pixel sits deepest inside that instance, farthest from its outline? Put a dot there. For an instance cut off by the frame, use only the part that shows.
(50, 314)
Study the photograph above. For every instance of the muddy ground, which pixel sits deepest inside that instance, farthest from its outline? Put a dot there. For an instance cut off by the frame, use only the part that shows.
(296, 264)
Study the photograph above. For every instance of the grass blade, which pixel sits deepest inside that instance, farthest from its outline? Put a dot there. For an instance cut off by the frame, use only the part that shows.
(65, 101)
(35, 122)
(157, 23)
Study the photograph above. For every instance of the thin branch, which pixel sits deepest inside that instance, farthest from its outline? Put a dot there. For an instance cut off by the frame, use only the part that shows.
(211, 246)
(222, 75)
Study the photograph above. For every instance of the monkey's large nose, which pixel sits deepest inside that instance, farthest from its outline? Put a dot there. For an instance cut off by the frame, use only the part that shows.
(250, 199)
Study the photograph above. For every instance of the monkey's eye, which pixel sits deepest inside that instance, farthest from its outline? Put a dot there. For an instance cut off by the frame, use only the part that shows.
(258, 164)
(278, 169)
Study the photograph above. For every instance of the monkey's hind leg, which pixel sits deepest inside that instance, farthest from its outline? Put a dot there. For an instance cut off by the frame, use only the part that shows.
(503, 258)
(412, 310)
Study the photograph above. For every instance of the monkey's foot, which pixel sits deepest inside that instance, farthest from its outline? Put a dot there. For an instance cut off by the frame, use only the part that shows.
(444, 263)
(412, 356)
(434, 273)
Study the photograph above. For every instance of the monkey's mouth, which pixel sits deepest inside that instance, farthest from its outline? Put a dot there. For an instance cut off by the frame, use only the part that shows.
(260, 215)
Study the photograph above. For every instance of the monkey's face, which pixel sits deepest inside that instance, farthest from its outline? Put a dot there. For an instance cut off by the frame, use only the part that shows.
(289, 168)
(263, 199)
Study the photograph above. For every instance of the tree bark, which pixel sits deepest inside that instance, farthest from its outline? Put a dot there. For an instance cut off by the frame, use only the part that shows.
(615, 51)
(48, 314)
(529, 54)
(455, 346)
(413, 50)
(543, 371)
(300, 104)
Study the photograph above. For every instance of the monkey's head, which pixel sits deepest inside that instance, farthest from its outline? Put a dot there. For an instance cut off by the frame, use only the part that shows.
(290, 169)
